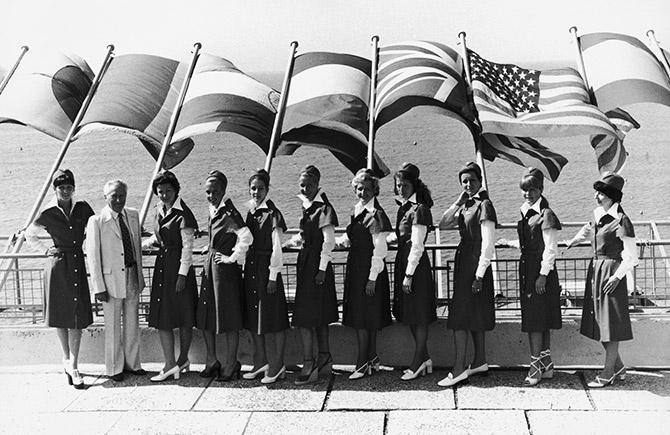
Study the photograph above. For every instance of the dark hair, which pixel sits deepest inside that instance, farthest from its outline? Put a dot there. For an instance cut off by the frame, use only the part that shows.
(422, 192)
(261, 174)
(612, 192)
(533, 179)
(62, 176)
(364, 175)
(473, 168)
(311, 171)
(219, 177)
(165, 177)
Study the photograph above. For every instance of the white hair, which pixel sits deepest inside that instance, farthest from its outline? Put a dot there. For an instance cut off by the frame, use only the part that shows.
(112, 184)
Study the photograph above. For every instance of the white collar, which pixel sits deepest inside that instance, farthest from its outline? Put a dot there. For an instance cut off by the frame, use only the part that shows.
(114, 215)
(54, 203)
(306, 203)
(213, 210)
(478, 194)
(360, 208)
(600, 212)
(525, 208)
(177, 205)
(404, 201)
(252, 205)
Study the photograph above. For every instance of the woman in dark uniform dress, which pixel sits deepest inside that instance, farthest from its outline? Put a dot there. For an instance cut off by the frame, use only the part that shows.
(315, 297)
(67, 303)
(220, 305)
(540, 293)
(266, 313)
(174, 293)
(605, 314)
(472, 307)
(366, 284)
(414, 302)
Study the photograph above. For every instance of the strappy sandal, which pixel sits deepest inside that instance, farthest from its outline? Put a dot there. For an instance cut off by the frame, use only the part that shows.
(599, 382)
(534, 372)
(547, 369)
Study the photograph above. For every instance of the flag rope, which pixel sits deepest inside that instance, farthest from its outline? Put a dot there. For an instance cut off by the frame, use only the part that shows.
(372, 102)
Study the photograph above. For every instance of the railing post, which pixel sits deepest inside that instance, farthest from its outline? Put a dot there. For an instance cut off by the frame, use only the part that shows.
(17, 278)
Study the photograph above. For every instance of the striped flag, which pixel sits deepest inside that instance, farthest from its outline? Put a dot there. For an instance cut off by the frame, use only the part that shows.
(622, 70)
(610, 152)
(520, 102)
(327, 107)
(47, 92)
(137, 96)
(220, 98)
(523, 151)
(421, 73)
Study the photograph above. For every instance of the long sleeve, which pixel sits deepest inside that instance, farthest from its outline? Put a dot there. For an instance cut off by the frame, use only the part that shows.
(32, 237)
(328, 245)
(583, 234)
(550, 238)
(416, 251)
(277, 258)
(187, 241)
(488, 247)
(628, 257)
(150, 242)
(295, 241)
(244, 240)
(342, 241)
(378, 255)
(94, 256)
(448, 220)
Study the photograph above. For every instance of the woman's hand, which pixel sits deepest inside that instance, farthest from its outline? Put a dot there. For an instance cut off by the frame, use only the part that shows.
(219, 258)
(540, 284)
(272, 287)
(407, 284)
(476, 285)
(370, 288)
(462, 198)
(320, 277)
(54, 252)
(181, 284)
(611, 285)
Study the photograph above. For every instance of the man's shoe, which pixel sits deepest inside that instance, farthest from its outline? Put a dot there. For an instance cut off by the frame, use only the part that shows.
(117, 377)
(138, 372)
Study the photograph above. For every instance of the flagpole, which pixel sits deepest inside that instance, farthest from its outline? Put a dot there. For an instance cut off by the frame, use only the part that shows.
(372, 103)
(580, 59)
(10, 73)
(659, 53)
(279, 117)
(20, 237)
(468, 76)
(170, 131)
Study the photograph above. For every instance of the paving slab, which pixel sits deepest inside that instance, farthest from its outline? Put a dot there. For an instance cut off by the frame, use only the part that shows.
(330, 423)
(599, 422)
(85, 423)
(385, 391)
(503, 422)
(503, 390)
(283, 395)
(640, 391)
(165, 423)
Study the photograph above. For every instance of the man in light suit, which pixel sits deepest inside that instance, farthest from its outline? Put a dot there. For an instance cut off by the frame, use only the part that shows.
(114, 251)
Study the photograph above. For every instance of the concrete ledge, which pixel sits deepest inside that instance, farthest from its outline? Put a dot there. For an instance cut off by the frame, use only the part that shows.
(507, 346)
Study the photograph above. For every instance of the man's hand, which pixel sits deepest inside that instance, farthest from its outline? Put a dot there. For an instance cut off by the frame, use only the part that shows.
(181, 284)
(102, 297)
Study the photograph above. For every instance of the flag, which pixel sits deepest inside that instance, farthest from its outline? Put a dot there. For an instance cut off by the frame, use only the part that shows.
(220, 97)
(327, 107)
(421, 73)
(523, 151)
(137, 95)
(610, 152)
(622, 70)
(520, 102)
(46, 92)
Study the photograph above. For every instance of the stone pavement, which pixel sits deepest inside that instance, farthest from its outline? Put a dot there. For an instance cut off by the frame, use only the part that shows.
(37, 399)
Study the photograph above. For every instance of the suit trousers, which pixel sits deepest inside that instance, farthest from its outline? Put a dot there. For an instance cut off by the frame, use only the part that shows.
(122, 343)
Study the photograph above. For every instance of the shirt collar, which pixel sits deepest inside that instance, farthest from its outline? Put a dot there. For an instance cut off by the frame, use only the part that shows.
(176, 205)
(613, 211)
(360, 208)
(525, 208)
(213, 210)
(262, 205)
(54, 203)
(478, 195)
(306, 203)
(115, 215)
(402, 201)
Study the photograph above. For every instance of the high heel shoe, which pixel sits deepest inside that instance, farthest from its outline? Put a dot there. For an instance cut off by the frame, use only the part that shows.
(281, 374)
(235, 374)
(374, 364)
(534, 372)
(77, 380)
(621, 374)
(254, 374)
(160, 377)
(184, 368)
(450, 380)
(481, 370)
(599, 382)
(211, 371)
(66, 370)
(360, 372)
(311, 377)
(547, 369)
(409, 374)
(429, 366)
(326, 367)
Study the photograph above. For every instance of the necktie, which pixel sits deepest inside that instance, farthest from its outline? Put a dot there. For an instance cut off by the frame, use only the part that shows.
(127, 243)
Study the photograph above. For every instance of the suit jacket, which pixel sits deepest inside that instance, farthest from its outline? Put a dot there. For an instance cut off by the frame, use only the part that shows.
(104, 250)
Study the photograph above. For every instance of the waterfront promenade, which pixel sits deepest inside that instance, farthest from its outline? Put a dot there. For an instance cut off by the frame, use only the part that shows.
(37, 399)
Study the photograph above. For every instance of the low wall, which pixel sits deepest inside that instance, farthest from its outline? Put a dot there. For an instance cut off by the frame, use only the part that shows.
(506, 345)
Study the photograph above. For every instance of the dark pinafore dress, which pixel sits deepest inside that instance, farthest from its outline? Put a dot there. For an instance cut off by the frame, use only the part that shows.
(419, 307)
(169, 309)
(469, 311)
(361, 311)
(264, 313)
(539, 312)
(605, 317)
(67, 302)
(315, 305)
(221, 304)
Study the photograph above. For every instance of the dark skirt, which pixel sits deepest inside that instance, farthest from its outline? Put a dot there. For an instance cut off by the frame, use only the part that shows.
(221, 303)
(361, 311)
(539, 313)
(605, 317)
(169, 309)
(420, 306)
(263, 313)
(315, 305)
(67, 302)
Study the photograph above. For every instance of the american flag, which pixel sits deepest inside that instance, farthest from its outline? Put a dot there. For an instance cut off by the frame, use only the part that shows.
(515, 101)
(610, 152)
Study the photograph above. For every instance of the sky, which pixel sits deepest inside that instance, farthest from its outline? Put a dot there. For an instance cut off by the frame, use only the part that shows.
(255, 34)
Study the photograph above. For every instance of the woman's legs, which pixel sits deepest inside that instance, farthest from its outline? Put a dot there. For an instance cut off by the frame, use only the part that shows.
(70, 341)
(307, 338)
(372, 343)
(323, 345)
(479, 340)
(363, 336)
(185, 337)
(63, 338)
(461, 348)
(612, 359)
(275, 356)
(167, 343)
(210, 345)
(232, 342)
(536, 342)
(260, 357)
(420, 334)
